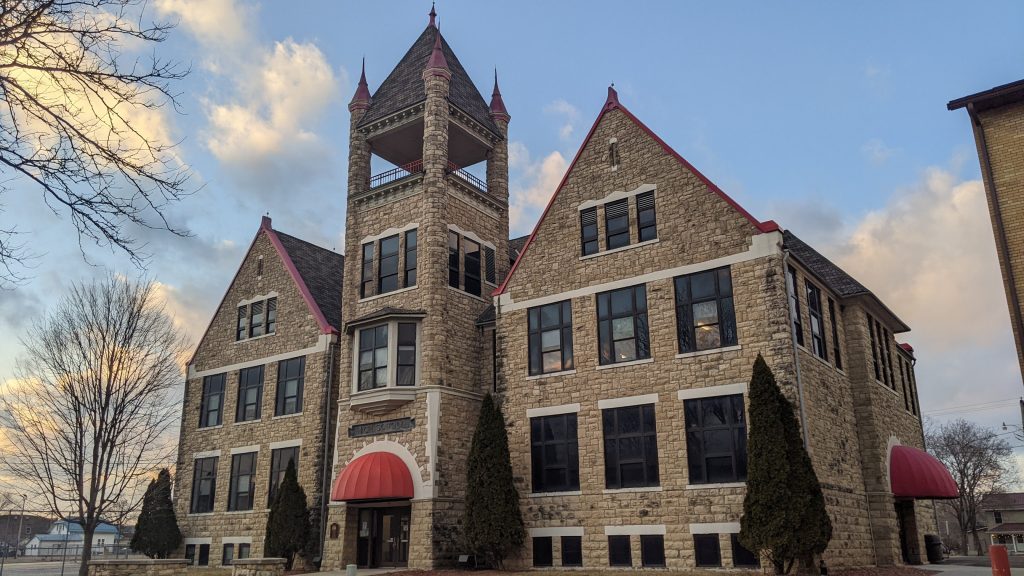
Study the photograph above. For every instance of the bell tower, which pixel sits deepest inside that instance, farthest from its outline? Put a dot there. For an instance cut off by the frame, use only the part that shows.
(426, 244)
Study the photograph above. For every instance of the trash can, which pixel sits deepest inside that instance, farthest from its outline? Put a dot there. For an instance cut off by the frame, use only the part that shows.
(933, 548)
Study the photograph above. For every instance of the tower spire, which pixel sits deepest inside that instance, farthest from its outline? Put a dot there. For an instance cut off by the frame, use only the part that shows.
(497, 104)
(437, 60)
(362, 95)
(433, 16)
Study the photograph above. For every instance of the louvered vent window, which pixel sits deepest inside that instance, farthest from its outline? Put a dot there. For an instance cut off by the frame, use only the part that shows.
(588, 231)
(616, 223)
(645, 217)
(491, 273)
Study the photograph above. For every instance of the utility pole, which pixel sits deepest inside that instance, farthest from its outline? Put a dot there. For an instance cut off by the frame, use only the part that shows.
(21, 521)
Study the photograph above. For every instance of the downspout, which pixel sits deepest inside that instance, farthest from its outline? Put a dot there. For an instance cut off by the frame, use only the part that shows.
(997, 215)
(796, 349)
(325, 481)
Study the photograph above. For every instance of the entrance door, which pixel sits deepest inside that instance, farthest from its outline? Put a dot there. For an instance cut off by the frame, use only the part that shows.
(383, 537)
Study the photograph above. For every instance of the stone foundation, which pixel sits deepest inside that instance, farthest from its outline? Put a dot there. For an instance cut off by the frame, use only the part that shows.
(172, 567)
(258, 567)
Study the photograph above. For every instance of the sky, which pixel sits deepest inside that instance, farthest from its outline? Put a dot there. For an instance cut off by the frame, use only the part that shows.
(829, 118)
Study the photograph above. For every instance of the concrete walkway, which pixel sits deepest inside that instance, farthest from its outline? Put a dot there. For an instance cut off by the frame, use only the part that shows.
(364, 572)
(961, 570)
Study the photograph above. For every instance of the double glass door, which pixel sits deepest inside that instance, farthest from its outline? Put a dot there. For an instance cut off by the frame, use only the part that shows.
(383, 537)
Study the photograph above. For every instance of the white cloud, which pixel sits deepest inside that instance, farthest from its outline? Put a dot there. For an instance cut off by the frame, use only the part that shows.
(222, 25)
(532, 184)
(876, 151)
(569, 114)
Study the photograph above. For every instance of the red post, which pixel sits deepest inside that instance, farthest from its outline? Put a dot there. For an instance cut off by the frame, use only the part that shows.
(1000, 560)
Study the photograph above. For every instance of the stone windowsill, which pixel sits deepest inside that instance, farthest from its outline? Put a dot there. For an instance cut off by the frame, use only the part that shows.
(201, 513)
(555, 494)
(551, 374)
(239, 511)
(628, 490)
(716, 486)
(382, 400)
(283, 416)
(709, 351)
(620, 249)
(624, 364)
(251, 338)
(244, 422)
(210, 427)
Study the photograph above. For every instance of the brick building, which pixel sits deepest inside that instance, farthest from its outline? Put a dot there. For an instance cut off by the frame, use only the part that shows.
(997, 118)
(618, 338)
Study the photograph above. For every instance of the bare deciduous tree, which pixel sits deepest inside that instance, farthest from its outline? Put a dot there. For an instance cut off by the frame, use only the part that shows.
(77, 121)
(979, 461)
(85, 421)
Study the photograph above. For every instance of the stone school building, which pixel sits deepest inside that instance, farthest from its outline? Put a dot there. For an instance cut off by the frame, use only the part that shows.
(618, 338)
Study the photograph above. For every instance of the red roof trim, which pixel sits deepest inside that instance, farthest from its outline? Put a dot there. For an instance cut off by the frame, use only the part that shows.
(373, 476)
(612, 103)
(325, 326)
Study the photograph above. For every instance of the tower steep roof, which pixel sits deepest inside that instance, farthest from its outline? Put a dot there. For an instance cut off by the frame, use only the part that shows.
(404, 85)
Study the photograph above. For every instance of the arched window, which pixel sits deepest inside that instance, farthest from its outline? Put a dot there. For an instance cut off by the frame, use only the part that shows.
(335, 529)
(613, 153)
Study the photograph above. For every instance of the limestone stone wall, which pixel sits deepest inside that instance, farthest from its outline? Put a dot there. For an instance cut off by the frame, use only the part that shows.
(171, 567)
(258, 567)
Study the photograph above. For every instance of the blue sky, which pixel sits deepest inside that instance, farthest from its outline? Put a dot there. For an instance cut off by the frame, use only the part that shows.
(827, 117)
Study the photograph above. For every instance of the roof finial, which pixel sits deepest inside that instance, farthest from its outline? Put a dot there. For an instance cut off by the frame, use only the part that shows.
(433, 15)
(362, 95)
(437, 59)
(613, 98)
(497, 104)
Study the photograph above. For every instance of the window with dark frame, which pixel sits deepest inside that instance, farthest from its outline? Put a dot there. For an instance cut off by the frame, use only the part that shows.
(630, 447)
(817, 321)
(652, 550)
(705, 314)
(997, 515)
(366, 277)
(243, 550)
(271, 315)
(228, 555)
(903, 383)
(622, 325)
(472, 263)
(250, 394)
(741, 557)
(204, 485)
(882, 360)
(409, 278)
(373, 357)
(259, 266)
(211, 408)
(874, 347)
(549, 330)
(255, 319)
(588, 231)
(387, 272)
(542, 555)
(716, 439)
(242, 327)
(204, 555)
(190, 554)
(406, 365)
(707, 550)
(647, 228)
(243, 481)
(616, 224)
(834, 320)
(490, 274)
(794, 305)
(279, 460)
(619, 552)
(453, 260)
(888, 356)
(914, 408)
(613, 154)
(291, 376)
(572, 551)
(554, 453)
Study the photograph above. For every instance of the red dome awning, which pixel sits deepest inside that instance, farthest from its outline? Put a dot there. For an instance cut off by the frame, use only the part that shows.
(915, 473)
(374, 476)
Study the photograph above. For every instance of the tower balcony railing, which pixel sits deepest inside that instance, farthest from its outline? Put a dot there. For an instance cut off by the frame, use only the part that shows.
(467, 177)
(395, 174)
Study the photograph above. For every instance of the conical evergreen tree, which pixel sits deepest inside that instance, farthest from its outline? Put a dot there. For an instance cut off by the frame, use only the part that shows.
(784, 512)
(288, 523)
(156, 533)
(494, 524)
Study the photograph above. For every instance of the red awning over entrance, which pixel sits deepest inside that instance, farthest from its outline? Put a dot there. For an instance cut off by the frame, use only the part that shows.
(374, 476)
(915, 473)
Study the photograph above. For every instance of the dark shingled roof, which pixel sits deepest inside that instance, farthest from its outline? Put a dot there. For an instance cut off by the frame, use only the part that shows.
(515, 246)
(837, 280)
(404, 86)
(321, 270)
(1007, 501)
(486, 317)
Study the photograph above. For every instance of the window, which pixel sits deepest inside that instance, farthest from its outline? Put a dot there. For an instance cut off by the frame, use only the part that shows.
(832, 318)
(888, 356)
(652, 550)
(228, 555)
(716, 439)
(874, 347)
(572, 551)
(622, 325)
(335, 531)
(366, 279)
(190, 554)
(630, 447)
(616, 224)
(291, 376)
(550, 338)
(243, 323)
(243, 476)
(491, 272)
(554, 453)
(472, 281)
(588, 231)
(250, 394)
(373, 357)
(613, 154)
(453, 259)
(619, 553)
(817, 321)
(259, 266)
(406, 365)
(204, 555)
(271, 315)
(387, 274)
(914, 408)
(998, 516)
(707, 549)
(243, 550)
(211, 409)
(741, 557)
(647, 228)
(794, 305)
(705, 315)
(542, 551)
(204, 484)
(279, 460)
(410, 259)
(255, 319)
